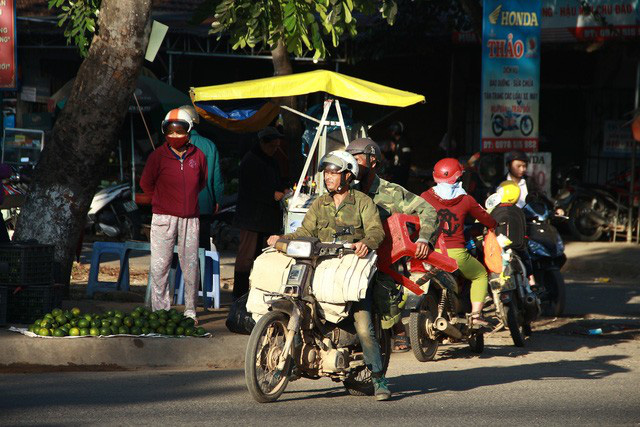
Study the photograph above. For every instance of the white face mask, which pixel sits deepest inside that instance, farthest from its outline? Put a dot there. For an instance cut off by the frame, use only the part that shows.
(449, 191)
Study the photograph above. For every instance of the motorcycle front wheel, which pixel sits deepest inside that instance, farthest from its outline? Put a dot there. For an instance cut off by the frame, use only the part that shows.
(265, 382)
(515, 323)
(423, 346)
(526, 125)
(497, 126)
(360, 382)
(556, 293)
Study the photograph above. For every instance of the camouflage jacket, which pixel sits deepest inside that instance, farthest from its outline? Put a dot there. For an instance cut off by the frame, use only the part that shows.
(392, 198)
(323, 220)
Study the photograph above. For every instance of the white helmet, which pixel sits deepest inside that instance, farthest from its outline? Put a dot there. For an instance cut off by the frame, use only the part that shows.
(178, 115)
(340, 162)
(191, 111)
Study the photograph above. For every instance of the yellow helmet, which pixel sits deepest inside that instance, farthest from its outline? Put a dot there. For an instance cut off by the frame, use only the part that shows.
(509, 191)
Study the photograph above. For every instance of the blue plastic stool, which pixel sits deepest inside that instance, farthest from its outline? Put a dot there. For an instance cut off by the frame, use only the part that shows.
(210, 279)
(100, 248)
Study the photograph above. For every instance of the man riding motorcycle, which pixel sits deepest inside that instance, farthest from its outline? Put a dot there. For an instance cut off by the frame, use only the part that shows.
(391, 198)
(354, 217)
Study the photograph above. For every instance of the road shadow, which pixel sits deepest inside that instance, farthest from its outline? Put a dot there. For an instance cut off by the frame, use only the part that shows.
(470, 379)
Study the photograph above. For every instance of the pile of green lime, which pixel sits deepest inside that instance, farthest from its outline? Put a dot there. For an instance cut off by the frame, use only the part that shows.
(140, 321)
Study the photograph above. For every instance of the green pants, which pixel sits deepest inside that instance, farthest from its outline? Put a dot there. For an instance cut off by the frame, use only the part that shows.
(472, 270)
(388, 299)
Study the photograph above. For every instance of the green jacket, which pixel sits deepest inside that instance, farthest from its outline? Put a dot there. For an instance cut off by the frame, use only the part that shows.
(323, 219)
(392, 198)
(212, 193)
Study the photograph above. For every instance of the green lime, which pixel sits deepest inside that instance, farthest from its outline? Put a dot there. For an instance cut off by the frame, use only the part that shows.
(119, 314)
(179, 330)
(49, 316)
(188, 331)
(128, 321)
(61, 319)
(161, 330)
(117, 322)
(139, 322)
(109, 313)
(84, 323)
(65, 328)
(176, 318)
(114, 330)
(162, 321)
(94, 331)
(74, 322)
(136, 331)
(85, 331)
(38, 321)
(173, 311)
(162, 314)
(95, 323)
(200, 331)
(58, 333)
(75, 311)
(136, 315)
(154, 324)
(153, 316)
(123, 330)
(88, 317)
(44, 332)
(106, 323)
(145, 330)
(139, 309)
(170, 330)
(56, 312)
(105, 331)
(74, 332)
(45, 323)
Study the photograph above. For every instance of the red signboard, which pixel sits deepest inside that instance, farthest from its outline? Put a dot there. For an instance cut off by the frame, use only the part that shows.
(502, 145)
(8, 61)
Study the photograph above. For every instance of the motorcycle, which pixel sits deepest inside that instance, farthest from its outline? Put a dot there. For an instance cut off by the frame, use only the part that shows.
(547, 256)
(114, 213)
(511, 121)
(439, 304)
(294, 333)
(593, 210)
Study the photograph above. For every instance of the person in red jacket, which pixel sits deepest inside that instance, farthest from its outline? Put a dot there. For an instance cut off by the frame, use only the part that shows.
(453, 205)
(174, 175)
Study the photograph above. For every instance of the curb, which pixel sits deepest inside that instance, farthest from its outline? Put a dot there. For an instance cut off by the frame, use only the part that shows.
(123, 353)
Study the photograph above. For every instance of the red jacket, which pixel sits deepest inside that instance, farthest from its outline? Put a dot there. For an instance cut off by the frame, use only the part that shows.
(175, 184)
(451, 216)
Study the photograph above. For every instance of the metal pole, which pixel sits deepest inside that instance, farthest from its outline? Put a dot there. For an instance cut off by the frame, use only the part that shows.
(133, 161)
(170, 78)
(633, 163)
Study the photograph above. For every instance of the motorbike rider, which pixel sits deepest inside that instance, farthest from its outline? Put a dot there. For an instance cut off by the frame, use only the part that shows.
(399, 154)
(453, 204)
(513, 224)
(340, 209)
(391, 198)
(517, 163)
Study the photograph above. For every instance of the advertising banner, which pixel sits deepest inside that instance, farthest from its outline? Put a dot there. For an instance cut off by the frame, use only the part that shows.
(8, 63)
(510, 75)
(617, 139)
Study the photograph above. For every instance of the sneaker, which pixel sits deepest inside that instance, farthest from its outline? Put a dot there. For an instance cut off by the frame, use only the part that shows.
(381, 388)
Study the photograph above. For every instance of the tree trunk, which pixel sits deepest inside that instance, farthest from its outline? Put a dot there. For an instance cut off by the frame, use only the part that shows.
(72, 163)
(292, 124)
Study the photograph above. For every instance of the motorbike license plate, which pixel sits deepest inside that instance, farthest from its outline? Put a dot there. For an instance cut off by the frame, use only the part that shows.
(130, 206)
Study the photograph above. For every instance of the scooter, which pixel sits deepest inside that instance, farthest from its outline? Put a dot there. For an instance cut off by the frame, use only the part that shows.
(439, 303)
(547, 256)
(114, 213)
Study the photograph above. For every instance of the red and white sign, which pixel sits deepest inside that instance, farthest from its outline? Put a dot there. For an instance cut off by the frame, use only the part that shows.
(8, 61)
(503, 145)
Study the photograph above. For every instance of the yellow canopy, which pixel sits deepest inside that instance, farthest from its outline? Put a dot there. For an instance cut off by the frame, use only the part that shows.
(303, 83)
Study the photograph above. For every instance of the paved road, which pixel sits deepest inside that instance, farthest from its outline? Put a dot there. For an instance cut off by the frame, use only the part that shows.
(563, 376)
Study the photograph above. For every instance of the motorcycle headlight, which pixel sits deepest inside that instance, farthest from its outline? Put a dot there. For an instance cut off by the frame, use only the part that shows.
(538, 249)
(299, 249)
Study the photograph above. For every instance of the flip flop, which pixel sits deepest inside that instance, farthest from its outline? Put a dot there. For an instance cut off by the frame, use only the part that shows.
(400, 340)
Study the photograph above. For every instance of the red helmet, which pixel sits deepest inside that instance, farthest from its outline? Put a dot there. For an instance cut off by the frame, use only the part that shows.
(447, 170)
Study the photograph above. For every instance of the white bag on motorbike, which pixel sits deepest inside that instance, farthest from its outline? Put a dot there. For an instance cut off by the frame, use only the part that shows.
(269, 275)
(342, 280)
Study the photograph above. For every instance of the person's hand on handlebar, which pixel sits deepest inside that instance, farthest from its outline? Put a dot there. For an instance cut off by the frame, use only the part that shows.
(360, 249)
(272, 240)
(422, 250)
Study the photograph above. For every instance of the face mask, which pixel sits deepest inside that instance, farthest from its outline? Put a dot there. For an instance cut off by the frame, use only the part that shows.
(177, 142)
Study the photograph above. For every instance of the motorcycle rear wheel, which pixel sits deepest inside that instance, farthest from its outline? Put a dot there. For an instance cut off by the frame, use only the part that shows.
(515, 323)
(360, 382)
(424, 347)
(266, 343)
(580, 225)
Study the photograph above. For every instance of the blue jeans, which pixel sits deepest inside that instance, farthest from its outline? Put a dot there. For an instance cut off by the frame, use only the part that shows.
(367, 335)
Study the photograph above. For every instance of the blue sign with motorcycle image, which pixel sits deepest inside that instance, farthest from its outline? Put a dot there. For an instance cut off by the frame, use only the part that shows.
(510, 75)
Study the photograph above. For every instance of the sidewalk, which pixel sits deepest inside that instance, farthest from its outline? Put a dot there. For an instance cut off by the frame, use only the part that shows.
(603, 259)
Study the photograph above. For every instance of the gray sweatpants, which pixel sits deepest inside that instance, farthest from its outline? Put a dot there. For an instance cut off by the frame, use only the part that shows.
(164, 230)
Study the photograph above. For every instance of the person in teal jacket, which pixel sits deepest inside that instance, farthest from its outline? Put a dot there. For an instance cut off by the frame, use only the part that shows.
(210, 197)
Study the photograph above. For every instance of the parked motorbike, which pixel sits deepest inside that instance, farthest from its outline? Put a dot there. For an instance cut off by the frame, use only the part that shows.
(294, 333)
(593, 210)
(547, 256)
(114, 213)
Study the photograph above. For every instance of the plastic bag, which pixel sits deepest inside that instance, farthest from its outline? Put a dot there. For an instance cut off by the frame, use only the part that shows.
(239, 320)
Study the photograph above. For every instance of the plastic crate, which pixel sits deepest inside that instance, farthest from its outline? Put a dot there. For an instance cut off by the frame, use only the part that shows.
(26, 304)
(29, 264)
(3, 304)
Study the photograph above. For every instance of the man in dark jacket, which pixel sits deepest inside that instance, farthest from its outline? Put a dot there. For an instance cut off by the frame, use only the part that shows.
(258, 213)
